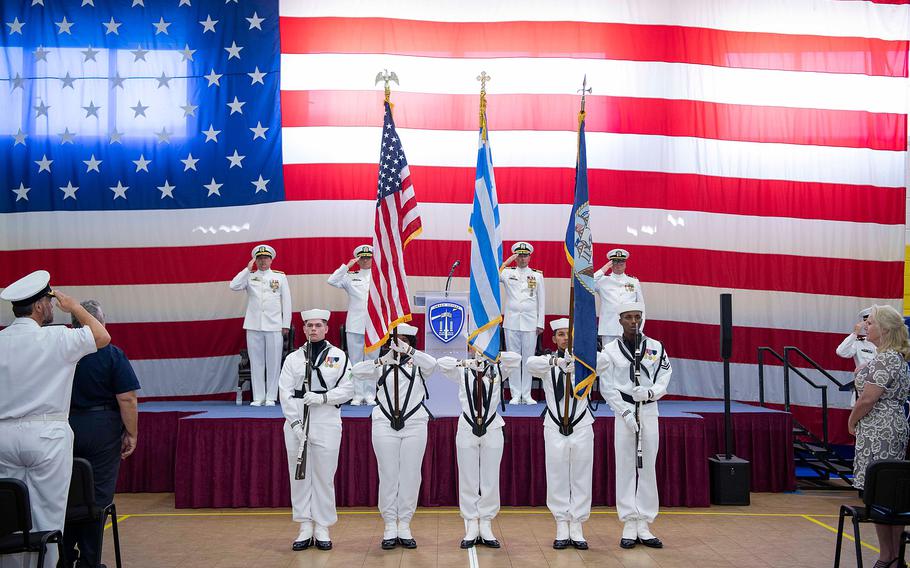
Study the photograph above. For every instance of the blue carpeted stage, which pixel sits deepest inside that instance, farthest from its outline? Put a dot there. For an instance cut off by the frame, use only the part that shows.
(218, 454)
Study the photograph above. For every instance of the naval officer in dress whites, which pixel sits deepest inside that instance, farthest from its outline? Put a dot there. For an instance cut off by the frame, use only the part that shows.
(523, 312)
(310, 403)
(399, 430)
(268, 319)
(635, 410)
(357, 285)
(479, 440)
(614, 289)
(856, 346)
(568, 442)
(36, 382)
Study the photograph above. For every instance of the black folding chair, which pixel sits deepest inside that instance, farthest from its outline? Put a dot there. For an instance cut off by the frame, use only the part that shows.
(886, 499)
(82, 509)
(16, 533)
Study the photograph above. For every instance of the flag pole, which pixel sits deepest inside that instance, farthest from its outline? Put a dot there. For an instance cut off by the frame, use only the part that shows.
(478, 380)
(387, 77)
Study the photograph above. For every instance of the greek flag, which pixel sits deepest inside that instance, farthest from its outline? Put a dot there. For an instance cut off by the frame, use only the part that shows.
(579, 251)
(486, 256)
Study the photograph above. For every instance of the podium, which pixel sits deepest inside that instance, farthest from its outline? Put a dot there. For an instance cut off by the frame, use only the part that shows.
(447, 320)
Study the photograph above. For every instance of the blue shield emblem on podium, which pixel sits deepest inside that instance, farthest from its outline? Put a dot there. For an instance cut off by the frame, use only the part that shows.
(446, 320)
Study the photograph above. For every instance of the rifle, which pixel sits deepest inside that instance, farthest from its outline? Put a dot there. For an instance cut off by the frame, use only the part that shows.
(300, 472)
(637, 375)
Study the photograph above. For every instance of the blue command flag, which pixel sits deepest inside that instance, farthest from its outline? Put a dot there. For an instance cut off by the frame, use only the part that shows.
(580, 253)
(486, 256)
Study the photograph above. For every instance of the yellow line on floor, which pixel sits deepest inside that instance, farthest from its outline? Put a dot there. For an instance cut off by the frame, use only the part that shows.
(120, 519)
(834, 530)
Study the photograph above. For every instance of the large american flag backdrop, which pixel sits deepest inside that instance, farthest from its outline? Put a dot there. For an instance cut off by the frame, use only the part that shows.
(744, 145)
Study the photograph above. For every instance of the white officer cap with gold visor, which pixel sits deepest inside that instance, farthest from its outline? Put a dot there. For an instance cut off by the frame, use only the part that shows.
(618, 254)
(521, 247)
(28, 289)
(363, 251)
(263, 250)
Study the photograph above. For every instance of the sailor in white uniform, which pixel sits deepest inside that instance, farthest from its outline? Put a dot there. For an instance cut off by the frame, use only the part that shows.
(315, 380)
(37, 364)
(268, 319)
(614, 289)
(399, 430)
(635, 410)
(524, 306)
(568, 442)
(855, 345)
(357, 285)
(479, 440)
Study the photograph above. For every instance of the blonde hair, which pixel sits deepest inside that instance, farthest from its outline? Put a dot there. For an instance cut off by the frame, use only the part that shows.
(894, 331)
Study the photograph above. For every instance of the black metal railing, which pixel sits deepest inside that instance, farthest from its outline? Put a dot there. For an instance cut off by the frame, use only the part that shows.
(788, 366)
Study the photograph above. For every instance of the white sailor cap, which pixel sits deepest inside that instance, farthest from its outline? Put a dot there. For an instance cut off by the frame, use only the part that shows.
(522, 247)
(263, 250)
(315, 314)
(863, 314)
(631, 307)
(618, 254)
(561, 323)
(405, 329)
(28, 289)
(363, 251)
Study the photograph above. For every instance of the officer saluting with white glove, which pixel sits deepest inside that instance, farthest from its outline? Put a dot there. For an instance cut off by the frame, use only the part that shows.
(268, 318)
(614, 289)
(310, 404)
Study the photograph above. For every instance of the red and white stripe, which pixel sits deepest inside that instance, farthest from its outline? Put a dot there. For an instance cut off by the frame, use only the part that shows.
(752, 146)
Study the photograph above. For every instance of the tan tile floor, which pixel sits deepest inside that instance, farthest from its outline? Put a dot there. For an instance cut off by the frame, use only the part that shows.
(777, 531)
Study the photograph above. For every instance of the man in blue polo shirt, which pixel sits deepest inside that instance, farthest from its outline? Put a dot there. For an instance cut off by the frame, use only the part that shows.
(105, 420)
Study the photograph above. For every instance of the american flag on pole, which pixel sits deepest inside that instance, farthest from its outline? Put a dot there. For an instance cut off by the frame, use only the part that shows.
(397, 223)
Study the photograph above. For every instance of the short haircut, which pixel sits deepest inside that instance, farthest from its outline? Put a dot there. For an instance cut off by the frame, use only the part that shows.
(24, 311)
(94, 308)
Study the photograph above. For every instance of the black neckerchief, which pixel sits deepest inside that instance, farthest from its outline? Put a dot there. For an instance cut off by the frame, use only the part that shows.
(315, 349)
(630, 344)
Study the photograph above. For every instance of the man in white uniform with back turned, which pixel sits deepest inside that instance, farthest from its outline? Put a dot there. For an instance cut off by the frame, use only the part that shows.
(614, 289)
(37, 364)
(524, 307)
(310, 407)
(357, 285)
(268, 319)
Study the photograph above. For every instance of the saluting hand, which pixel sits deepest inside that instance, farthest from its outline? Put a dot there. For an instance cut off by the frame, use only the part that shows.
(351, 263)
(252, 266)
(511, 259)
(66, 303)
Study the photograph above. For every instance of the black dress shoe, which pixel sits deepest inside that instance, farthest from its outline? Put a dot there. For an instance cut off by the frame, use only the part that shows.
(467, 544)
(560, 544)
(389, 543)
(490, 543)
(651, 542)
(627, 543)
(407, 542)
(301, 544)
(324, 545)
(580, 544)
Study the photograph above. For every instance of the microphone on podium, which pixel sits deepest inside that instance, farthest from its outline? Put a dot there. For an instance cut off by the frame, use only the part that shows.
(451, 272)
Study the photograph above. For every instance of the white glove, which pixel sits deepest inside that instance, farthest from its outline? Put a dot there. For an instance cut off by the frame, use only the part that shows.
(401, 346)
(629, 417)
(566, 364)
(640, 394)
(474, 364)
(387, 359)
(298, 430)
(313, 398)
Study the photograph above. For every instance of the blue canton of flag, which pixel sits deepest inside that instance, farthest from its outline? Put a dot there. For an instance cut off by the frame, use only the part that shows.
(139, 104)
(580, 253)
(486, 256)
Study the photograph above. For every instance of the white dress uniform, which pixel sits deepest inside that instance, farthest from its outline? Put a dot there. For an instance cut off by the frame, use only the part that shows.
(399, 444)
(614, 290)
(569, 451)
(479, 439)
(313, 498)
(37, 365)
(268, 311)
(636, 489)
(357, 286)
(860, 350)
(524, 308)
